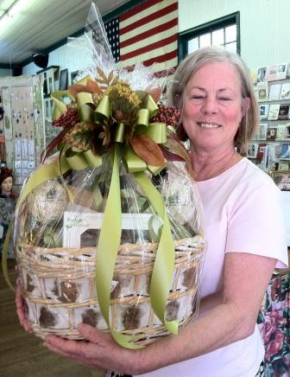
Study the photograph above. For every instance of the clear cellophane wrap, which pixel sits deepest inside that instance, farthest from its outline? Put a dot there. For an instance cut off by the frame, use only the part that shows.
(108, 230)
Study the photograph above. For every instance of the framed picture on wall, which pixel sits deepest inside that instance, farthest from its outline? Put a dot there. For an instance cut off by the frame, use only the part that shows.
(63, 79)
(73, 76)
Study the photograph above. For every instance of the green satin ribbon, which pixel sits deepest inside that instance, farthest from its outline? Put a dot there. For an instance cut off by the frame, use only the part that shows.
(119, 132)
(85, 104)
(103, 109)
(109, 240)
(108, 246)
(151, 105)
(132, 162)
(60, 108)
(4, 255)
(78, 160)
(143, 117)
(165, 257)
(157, 132)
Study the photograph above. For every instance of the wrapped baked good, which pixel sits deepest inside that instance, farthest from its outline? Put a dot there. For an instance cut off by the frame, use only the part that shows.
(108, 230)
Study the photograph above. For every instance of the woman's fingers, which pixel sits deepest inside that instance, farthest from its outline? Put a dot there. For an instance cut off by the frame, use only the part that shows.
(94, 335)
(21, 308)
(72, 356)
(106, 356)
(81, 351)
(72, 347)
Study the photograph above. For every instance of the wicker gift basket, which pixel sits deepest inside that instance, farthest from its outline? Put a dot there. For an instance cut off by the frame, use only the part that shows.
(107, 231)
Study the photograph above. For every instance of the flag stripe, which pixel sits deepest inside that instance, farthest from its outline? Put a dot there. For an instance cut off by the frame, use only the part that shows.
(142, 9)
(149, 33)
(150, 48)
(146, 20)
(153, 54)
(160, 59)
(164, 37)
(151, 26)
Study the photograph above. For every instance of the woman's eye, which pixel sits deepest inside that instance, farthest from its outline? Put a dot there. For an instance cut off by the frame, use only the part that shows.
(225, 99)
(197, 97)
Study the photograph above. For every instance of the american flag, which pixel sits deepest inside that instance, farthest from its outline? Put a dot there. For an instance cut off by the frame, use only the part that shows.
(146, 34)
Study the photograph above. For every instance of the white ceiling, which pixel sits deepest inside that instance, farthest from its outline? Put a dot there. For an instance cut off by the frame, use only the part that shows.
(39, 24)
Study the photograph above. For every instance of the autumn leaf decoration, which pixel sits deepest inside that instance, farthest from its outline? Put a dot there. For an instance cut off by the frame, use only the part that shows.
(105, 81)
(147, 150)
(90, 87)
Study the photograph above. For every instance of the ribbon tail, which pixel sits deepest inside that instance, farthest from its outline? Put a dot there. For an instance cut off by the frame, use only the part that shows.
(107, 251)
(4, 256)
(165, 257)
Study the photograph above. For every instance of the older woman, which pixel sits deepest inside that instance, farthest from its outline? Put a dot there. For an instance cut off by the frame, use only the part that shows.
(244, 229)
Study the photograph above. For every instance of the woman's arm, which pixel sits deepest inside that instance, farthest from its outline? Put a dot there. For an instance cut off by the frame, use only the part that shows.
(246, 277)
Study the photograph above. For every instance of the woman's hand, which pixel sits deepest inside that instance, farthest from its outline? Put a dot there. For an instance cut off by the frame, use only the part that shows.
(98, 351)
(21, 308)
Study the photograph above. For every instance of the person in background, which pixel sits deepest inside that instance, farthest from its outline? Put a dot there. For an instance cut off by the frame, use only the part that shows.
(244, 229)
(6, 184)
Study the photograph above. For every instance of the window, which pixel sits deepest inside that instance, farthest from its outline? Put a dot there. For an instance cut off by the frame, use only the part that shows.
(223, 32)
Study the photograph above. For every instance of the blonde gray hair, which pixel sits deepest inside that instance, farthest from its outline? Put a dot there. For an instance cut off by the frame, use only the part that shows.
(193, 62)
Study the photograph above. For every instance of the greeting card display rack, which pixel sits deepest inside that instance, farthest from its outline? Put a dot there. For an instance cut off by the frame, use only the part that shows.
(50, 83)
(270, 148)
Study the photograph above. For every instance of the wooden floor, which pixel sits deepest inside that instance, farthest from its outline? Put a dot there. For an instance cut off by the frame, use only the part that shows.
(22, 354)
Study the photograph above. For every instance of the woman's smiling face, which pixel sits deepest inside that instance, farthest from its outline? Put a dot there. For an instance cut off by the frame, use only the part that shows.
(213, 106)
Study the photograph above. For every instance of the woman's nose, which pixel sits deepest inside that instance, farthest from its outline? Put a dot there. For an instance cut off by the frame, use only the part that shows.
(209, 106)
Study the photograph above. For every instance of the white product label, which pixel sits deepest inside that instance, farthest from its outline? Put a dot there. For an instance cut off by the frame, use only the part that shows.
(76, 223)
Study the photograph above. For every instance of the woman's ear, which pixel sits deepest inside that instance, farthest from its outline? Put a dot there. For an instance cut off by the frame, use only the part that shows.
(246, 104)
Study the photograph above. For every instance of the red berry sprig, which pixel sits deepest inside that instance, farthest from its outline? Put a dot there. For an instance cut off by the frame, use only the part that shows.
(167, 114)
(67, 120)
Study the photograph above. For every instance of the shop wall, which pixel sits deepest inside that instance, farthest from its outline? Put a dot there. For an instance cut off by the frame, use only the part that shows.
(264, 26)
(74, 55)
(5, 72)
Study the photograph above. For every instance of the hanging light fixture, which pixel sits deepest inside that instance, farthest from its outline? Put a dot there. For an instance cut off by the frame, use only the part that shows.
(40, 59)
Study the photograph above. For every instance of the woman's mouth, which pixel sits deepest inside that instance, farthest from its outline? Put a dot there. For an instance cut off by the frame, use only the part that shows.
(208, 125)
